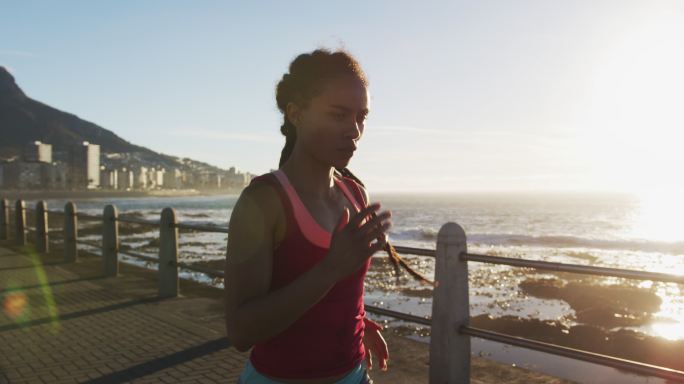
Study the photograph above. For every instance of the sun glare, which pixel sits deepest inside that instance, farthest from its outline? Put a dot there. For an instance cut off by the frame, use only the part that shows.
(659, 217)
(633, 128)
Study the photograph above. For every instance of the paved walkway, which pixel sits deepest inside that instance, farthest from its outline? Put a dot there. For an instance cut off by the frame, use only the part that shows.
(63, 323)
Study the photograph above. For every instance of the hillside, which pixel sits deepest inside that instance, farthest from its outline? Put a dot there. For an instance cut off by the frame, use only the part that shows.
(24, 120)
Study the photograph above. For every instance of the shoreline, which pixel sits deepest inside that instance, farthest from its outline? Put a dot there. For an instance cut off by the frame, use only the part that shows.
(13, 194)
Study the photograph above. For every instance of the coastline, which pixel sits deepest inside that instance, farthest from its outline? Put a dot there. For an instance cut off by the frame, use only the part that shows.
(13, 194)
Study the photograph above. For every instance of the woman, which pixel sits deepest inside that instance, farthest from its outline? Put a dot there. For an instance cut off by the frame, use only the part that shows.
(301, 238)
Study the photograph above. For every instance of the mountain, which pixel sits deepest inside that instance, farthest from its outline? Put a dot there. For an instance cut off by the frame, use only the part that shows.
(24, 120)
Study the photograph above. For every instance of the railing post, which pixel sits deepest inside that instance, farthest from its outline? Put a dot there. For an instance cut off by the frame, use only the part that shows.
(449, 349)
(70, 233)
(168, 254)
(42, 241)
(4, 219)
(20, 222)
(110, 240)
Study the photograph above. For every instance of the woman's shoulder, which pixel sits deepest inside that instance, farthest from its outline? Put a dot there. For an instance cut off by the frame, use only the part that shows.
(262, 198)
(260, 179)
(262, 188)
(262, 192)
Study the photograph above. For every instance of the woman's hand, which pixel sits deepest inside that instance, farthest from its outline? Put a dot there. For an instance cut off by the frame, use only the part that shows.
(352, 242)
(375, 345)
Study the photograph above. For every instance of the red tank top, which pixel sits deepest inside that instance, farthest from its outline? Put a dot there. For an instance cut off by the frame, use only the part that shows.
(327, 340)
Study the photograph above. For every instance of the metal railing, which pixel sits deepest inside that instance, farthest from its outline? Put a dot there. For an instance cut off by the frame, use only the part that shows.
(450, 328)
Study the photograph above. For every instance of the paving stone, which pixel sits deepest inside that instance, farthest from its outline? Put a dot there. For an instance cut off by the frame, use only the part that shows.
(82, 328)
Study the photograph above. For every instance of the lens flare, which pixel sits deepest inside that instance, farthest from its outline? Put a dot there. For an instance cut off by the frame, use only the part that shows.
(16, 302)
(14, 305)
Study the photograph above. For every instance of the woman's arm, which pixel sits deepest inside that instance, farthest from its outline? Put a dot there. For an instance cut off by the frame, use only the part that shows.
(375, 344)
(370, 324)
(254, 315)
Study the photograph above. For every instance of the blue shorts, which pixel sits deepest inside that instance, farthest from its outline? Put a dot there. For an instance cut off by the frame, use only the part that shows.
(358, 375)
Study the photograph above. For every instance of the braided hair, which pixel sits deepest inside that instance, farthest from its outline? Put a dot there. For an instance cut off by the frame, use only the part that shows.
(308, 72)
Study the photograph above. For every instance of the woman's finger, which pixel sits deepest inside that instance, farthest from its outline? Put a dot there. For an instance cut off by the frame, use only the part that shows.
(377, 233)
(375, 222)
(369, 361)
(378, 245)
(382, 353)
(356, 220)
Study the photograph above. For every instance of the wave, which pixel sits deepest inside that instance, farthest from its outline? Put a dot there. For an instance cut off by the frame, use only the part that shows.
(420, 234)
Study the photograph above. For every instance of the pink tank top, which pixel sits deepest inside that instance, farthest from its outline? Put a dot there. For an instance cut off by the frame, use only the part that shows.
(328, 339)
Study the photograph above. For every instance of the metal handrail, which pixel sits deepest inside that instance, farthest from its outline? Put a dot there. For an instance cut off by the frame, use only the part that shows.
(124, 219)
(140, 256)
(416, 251)
(615, 362)
(87, 216)
(205, 270)
(201, 227)
(196, 268)
(399, 315)
(79, 214)
(86, 242)
(576, 268)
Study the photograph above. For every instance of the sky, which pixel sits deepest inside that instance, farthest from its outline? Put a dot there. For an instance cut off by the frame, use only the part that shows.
(465, 96)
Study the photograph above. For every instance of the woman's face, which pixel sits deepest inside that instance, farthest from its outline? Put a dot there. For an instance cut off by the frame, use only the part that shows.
(331, 125)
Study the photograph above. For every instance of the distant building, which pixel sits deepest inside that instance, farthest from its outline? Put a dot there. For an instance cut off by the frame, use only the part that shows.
(173, 179)
(188, 179)
(209, 179)
(54, 176)
(140, 179)
(38, 152)
(160, 177)
(214, 180)
(11, 171)
(84, 164)
(236, 179)
(126, 179)
(155, 178)
(23, 175)
(109, 178)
